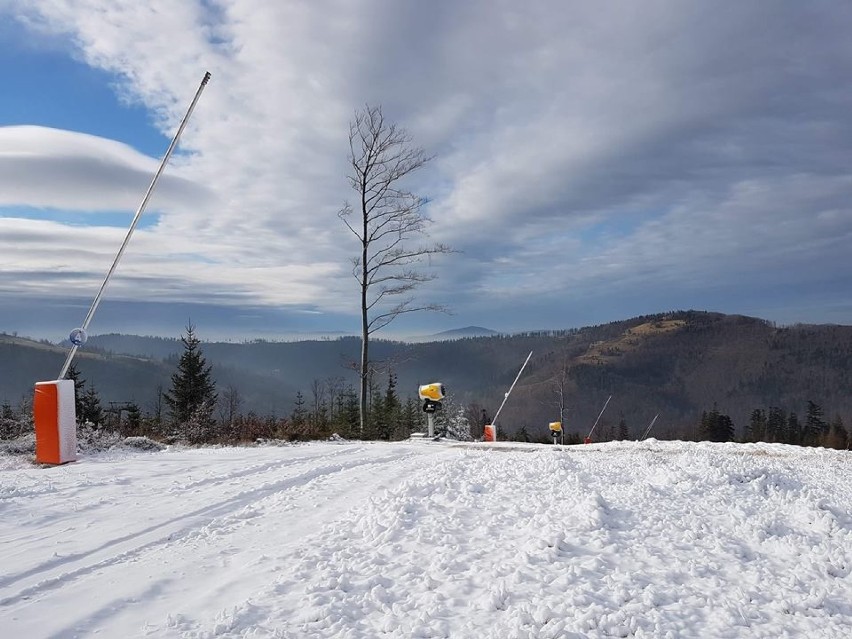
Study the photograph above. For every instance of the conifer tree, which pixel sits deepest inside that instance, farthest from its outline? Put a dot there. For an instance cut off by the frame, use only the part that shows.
(133, 419)
(349, 415)
(776, 424)
(410, 418)
(193, 393)
(716, 427)
(79, 384)
(391, 406)
(299, 414)
(837, 437)
(90, 407)
(815, 427)
(793, 430)
(623, 431)
(756, 426)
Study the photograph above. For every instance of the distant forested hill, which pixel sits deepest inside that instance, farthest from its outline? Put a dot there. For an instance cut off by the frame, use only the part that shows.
(676, 364)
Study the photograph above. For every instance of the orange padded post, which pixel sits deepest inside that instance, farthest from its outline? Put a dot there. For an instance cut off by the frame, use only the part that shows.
(55, 422)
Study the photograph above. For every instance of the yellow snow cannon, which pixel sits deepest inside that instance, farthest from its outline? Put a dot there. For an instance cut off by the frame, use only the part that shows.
(434, 391)
(555, 427)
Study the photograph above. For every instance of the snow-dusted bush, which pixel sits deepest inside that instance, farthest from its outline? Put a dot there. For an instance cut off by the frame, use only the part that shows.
(141, 443)
(21, 445)
(93, 440)
(14, 427)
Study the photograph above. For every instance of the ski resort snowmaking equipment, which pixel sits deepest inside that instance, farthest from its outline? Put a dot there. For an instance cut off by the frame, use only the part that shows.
(556, 431)
(588, 439)
(490, 431)
(431, 394)
(650, 426)
(54, 414)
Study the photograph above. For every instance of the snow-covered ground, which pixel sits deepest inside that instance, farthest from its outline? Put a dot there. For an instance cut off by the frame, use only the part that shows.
(425, 539)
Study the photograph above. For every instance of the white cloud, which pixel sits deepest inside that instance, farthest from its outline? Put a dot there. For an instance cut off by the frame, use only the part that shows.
(44, 167)
(580, 146)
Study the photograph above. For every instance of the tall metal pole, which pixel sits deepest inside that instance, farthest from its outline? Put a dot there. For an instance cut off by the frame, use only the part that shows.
(650, 426)
(506, 396)
(132, 228)
(599, 417)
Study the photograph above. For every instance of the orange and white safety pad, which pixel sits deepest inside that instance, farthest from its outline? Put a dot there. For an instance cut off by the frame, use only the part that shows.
(55, 422)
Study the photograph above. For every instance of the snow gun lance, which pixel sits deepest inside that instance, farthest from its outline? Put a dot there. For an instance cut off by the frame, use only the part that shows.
(78, 336)
(650, 426)
(588, 439)
(493, 424)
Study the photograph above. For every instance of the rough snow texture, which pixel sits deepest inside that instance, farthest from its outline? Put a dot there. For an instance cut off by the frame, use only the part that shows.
(651, 539)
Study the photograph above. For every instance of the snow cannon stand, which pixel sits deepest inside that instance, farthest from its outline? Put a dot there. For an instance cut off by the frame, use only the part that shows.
(556, 431)
(55, 422)
(489, 433)
(431, 394)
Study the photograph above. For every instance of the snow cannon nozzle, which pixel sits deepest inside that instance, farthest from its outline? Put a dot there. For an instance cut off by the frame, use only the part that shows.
(434, 391)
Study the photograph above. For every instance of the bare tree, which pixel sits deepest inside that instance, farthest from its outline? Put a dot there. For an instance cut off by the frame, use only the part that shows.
(335, 386)
(385, 220)
(229, 407)
(560, 388)
(318, 392)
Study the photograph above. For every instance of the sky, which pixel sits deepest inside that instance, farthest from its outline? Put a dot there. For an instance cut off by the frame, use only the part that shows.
(592, 161)
(430, 539)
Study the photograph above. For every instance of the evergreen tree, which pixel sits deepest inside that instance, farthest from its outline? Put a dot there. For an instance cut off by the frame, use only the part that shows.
(10, 426)
(79, 384)
(776, 422)
(756, 426)
(458, 426)
(349, 415)
(392, 408)
(193, 393)
(410, 418)
(377, 426)
(90, 407)
(521, 435)
(793, 430)
(716, 427)
(623, 431)
(299, 414)
(837, 437)
(815, 427)
(133, 421)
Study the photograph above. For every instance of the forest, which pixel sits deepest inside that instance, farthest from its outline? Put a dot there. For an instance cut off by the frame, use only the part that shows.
(693, 374)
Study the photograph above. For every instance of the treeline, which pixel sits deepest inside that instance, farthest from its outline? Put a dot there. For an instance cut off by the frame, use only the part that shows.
(194, 411)
(680, 373)
(770, 425)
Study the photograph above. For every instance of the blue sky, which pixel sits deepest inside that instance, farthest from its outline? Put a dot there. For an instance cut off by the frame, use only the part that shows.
(593, 161)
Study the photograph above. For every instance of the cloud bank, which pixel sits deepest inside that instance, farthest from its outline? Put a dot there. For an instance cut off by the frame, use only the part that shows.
(593, 160)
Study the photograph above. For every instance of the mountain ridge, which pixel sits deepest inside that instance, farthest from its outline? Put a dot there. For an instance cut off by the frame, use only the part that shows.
(676, 364)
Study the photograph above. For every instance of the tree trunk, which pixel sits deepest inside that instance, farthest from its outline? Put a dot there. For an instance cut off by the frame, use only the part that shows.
(365, 329)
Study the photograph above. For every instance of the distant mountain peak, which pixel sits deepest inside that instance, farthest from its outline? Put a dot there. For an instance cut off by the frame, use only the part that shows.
(467, 331)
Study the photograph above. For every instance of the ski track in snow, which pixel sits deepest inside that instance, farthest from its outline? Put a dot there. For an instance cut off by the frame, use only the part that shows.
(423, 539)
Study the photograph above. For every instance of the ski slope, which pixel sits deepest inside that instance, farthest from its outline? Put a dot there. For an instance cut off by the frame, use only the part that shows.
(430, 539)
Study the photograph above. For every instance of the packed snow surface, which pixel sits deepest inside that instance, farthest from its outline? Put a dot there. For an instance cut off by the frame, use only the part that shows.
(430, 539)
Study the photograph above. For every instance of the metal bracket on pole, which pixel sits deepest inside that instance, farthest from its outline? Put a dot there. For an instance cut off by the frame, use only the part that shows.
(81, 332)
